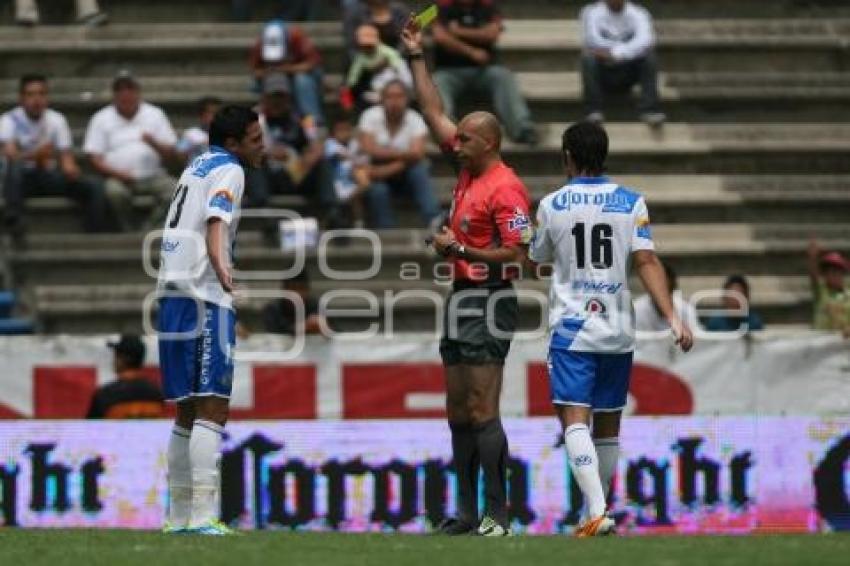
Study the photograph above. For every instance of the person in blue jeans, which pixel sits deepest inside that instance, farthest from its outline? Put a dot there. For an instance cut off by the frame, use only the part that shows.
(393, 136)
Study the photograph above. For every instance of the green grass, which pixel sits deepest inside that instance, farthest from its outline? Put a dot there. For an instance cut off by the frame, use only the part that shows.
(118, 548)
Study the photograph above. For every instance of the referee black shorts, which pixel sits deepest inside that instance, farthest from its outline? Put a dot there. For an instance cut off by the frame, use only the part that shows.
(468, 338)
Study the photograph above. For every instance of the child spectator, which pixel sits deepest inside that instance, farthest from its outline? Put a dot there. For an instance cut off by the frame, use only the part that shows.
(830, 293)
(196, 140)
(373, 67)
(350, 172)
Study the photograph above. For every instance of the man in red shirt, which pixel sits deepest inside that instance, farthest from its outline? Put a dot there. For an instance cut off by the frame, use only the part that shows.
(486, 242)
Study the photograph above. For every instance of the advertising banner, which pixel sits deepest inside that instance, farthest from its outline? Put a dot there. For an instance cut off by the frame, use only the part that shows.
(675, 475)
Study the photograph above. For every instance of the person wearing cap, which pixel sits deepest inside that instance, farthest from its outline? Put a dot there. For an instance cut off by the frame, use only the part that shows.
(128, 142)
(132, 395)
(286, 48)
(38, 149)
(292, 145)
(375, 65)
(829, 289)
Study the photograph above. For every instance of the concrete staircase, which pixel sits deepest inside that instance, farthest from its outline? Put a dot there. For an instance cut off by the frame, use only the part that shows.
(753, 163)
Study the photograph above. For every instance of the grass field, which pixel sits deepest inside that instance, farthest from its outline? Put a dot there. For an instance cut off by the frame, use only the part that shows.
(117, 548)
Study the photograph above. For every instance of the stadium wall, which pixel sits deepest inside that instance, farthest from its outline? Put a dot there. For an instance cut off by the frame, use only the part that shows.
(401, 377)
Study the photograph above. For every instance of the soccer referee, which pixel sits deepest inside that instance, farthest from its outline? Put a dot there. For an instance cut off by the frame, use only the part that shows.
(486, 240)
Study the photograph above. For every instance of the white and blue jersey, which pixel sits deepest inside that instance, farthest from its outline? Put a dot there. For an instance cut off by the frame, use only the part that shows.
(196, 318)
(588, 230)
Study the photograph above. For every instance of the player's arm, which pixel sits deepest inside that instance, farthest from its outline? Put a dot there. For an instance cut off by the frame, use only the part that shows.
(441, 126)
(654, 280)
(216, 242)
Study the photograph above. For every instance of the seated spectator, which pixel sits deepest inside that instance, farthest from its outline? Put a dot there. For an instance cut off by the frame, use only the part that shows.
(393, 136)
(648, 317)
(285, 48)
(287, 10)
(38, 151)
(388, 17)
(280, 316)
(132, 395)
(373, 67)
(618, 54)
(88, 13)
(736, 288)
(465, 37)
(127, 142)
(350, 170)
(829, 290)
(292, 146)
(196, 140)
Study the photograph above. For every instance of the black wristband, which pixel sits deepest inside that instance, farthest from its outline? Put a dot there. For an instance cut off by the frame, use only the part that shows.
(411, 55)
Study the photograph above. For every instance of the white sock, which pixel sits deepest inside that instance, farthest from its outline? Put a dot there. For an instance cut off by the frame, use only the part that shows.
(585, 467)
(204, 448)
(608, 450)
(179, 478)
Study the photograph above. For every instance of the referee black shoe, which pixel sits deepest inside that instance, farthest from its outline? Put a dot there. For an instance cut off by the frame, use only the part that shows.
(453, 527)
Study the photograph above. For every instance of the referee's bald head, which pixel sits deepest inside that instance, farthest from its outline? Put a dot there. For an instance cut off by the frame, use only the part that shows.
(486, 125)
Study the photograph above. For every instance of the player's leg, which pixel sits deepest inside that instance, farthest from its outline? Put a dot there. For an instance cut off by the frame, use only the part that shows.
(606, 439)
(213, 384)
(464, 447)
(177, 323)
(485, 387)
(572, 377)
(609, 399)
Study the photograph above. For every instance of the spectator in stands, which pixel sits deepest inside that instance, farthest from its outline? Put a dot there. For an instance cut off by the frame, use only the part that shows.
(465, 37)
(388, 17)
(617, 54)
(88, 13)
(285, 48)
(648, 317)
(127, 142)
(39, 156)
(374, 65)
(132, 395)
(393, 136)
(196, 140)
(829, 290)
(281, 317)
(736, 299)
(288, 10)
(350, 171)
(293, 149)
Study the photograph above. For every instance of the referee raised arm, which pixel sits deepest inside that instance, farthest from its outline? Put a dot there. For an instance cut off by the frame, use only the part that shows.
(486, 240)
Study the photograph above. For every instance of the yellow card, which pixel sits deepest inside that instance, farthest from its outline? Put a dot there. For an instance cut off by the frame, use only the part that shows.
(426, 16)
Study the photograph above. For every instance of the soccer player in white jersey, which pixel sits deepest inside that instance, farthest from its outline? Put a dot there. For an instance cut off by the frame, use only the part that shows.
(196, 318)
(591, 230)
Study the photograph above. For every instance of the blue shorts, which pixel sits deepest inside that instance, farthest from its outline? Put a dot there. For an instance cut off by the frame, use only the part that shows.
(200, 364)
(599, 381)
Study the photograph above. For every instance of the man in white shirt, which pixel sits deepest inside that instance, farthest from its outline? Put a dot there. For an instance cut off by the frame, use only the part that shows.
(648, 317)
(128, 141)
(617, 54)
(593, 230)
(197, 323)
(393, 136)
(38, 151)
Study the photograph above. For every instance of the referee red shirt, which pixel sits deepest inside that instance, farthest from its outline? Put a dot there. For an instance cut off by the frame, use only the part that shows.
(489, 211)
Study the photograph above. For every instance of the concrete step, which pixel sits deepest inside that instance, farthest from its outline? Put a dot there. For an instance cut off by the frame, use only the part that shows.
(673, 199)
(693, 249)
(699, 97)
(745, 45)
(61, 308)
(136, 11)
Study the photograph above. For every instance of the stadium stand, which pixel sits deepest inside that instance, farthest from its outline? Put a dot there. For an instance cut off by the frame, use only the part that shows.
(752, 163)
